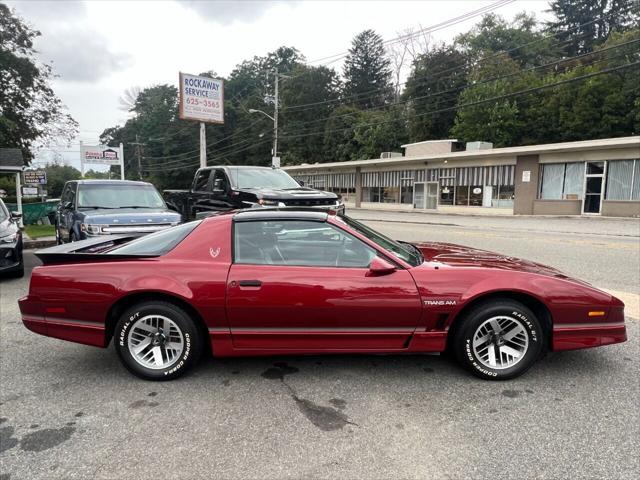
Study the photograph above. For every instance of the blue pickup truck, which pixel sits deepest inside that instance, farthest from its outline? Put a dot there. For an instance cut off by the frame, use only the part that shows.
(102, 207)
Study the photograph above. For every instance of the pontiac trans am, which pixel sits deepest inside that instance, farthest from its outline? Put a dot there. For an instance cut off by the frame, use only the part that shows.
(267, 282)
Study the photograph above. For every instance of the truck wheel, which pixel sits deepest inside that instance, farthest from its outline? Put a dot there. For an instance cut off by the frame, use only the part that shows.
(157, 340)
(499, 340)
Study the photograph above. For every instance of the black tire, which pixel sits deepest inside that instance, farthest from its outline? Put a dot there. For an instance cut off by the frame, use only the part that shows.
(191, 340)
(19, 270)
(516, 317)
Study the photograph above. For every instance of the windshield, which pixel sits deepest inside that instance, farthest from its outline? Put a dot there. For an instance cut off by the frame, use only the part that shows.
(409, 254)
(157, 243)
(262, 178)
(109, 195)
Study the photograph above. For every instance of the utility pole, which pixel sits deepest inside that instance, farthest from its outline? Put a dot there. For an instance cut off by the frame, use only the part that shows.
(203, 146)
(275, 159)
(138, 146)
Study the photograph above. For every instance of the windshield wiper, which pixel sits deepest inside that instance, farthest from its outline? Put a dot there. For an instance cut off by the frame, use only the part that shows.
(94, 206)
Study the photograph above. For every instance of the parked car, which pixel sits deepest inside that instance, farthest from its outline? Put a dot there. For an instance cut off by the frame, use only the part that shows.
(273, 282)
(105, 207)
(224, 188)
(11, 261)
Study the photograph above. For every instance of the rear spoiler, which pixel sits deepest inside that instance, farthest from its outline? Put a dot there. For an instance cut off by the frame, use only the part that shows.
(90, 250)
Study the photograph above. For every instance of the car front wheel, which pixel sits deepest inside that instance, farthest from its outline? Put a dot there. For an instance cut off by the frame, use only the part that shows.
(499, 340)
(157, 341)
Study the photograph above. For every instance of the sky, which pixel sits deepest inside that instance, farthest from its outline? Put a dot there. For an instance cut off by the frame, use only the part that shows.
(99, 49)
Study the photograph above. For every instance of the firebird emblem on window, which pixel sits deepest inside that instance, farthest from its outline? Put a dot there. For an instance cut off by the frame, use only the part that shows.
(214, 252)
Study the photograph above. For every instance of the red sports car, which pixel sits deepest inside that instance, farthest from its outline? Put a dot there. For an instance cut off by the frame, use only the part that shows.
(266, 282)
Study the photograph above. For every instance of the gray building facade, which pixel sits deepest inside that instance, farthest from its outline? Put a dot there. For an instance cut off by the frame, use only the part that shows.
(593, 177)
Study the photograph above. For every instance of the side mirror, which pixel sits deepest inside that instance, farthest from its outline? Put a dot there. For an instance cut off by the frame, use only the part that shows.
(217, 186)
(301, 182)
(15, 216)
(67, 205)
(379, 266)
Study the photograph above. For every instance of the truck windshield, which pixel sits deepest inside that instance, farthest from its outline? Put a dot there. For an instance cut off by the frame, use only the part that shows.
(110, 195)
(262, 178)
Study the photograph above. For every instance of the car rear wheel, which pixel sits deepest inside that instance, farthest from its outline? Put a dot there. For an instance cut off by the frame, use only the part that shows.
(157, 341)
(499, 340)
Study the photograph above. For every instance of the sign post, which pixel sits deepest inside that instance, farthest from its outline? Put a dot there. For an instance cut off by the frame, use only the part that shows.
(201, 99)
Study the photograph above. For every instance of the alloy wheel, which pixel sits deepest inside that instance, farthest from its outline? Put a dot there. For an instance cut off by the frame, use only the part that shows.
(500, 342)
(155, 342)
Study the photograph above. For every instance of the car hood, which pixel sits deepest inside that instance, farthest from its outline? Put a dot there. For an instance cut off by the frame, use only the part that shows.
(461, 256)
(123, 216)
(291, 194)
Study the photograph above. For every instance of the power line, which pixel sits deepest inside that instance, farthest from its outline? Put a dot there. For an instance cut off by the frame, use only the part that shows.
(184, 156)
(489, 80)
(457, 107)
(453, 69)
(453, 21)
(480, 102)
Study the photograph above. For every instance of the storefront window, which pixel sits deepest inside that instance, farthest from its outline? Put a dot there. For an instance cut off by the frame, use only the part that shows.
(560, 181)
(462, 195)
(623, 180)
(446, 195)
(475, 196)
(406, 194)
(506, 194)
(390, 194)
(552, 181)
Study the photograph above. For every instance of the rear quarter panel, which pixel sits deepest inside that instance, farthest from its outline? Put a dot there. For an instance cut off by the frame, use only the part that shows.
(75, 299)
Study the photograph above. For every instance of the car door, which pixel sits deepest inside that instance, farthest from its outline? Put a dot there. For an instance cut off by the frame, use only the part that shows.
(64, 213)
(220, 189)
(306, 286)
(201, 192)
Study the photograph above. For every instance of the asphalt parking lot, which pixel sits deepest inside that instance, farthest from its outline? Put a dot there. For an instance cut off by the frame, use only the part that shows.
(70, 411)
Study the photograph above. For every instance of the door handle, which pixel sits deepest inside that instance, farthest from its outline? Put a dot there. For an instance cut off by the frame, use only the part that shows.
(250, 283)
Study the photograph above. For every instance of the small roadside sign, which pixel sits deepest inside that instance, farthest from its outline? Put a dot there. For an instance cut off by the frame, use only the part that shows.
(29, 191)
(35, 177)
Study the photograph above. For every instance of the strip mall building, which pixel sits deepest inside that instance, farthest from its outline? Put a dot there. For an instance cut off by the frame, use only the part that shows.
(593, 177)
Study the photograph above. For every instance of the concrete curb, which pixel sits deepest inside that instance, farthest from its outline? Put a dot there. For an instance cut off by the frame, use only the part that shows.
(37, 244)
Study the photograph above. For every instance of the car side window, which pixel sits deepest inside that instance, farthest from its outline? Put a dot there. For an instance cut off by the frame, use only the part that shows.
(298, 243)
(67, 194)
(220, 181)
(201, 181)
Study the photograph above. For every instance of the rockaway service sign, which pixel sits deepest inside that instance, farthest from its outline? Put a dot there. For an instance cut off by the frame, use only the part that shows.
(201, 98)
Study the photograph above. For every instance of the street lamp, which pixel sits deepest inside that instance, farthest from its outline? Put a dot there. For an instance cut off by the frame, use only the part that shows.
(274, 162)
(253, 110)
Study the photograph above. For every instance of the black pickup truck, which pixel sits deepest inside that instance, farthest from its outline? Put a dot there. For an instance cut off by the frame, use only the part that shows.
(232, 187)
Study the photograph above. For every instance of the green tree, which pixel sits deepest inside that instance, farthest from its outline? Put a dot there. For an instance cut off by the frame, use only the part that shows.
(380, 131)
(311, 93)
(340, 143)
(520, 39)
(367, 72)
(435, 82)
(585, 24)
(29, 109)
(57, 176)
(499, 121)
